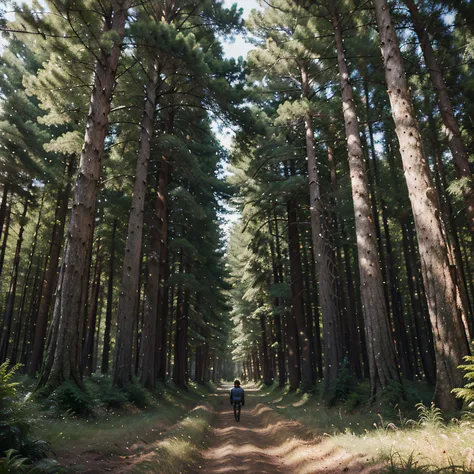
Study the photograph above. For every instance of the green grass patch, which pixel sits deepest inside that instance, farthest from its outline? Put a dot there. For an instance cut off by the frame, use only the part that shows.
(180, 451)
(411, 436)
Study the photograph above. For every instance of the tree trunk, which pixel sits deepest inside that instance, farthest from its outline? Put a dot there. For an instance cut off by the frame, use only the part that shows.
(318, 346)
(26, 284)
(161, 209)
(380, 350)
(308, 301)
(326, 271)
(129, 295)
(448, 214)
(62, 356)
(51, 274)
(32, 314)
(267, 377)
(451, 127)
(345, 283)
(180, 333)
(423, 340)
(3, 208)
(138, 317)
(298, 346)
(104, 368)
(4, 243)
(8, 317)
(275, 253)
(440, 284)
(88, 351)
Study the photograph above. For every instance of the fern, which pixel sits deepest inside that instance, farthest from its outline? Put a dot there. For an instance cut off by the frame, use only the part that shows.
(429, 416)
(466, 393)
(7, 387)
(16, 419)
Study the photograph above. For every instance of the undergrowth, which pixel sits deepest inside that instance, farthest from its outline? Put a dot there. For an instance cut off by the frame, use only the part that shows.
(19, 450)
(409, 436)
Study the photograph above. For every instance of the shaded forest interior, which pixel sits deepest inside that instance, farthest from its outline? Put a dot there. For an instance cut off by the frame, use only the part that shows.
(351, 168)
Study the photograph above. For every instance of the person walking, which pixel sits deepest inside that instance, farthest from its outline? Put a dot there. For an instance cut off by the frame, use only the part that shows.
(237, 398)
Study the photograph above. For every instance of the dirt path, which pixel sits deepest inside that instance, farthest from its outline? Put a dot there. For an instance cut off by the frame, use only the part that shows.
(264, 442)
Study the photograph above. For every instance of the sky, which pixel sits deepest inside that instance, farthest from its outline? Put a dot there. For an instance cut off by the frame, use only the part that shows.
(239, 47)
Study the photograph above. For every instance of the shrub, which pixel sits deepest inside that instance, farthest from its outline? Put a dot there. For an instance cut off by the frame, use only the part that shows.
(105, 393)
(344, 385)
(69, 397)
(392, 394)
(14, 462)
(353, 401)
(466, 393)
(112, 397)
(16, 420)
(137, 394)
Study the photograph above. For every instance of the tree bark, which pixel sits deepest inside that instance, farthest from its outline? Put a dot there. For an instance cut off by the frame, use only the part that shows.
(104, 367)
(62, 355)
(326, 270)
(299, 360)
(451, 127)
(88, 350)
(51, 274)
(423, 340)
(275, 253)
(32, 314)
(179, 372)
(380, 349)
(8, 317)
(267, 377)
(4, 243)
(444, 304)
(161, 210)
(3, 208)
(454, 249)
(129, 293)
(348, 302)
(26, 284)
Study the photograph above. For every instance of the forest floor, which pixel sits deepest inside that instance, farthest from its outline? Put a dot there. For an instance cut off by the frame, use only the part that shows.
(194, 431)
(268, 443)
(204, 439)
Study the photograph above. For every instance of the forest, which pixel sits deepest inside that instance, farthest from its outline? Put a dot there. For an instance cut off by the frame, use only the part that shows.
(324, 257)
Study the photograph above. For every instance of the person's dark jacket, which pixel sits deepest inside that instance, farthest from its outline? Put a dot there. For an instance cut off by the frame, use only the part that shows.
(237, 395)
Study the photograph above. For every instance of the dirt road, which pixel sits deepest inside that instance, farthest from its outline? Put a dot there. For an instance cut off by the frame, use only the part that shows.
(265, 443)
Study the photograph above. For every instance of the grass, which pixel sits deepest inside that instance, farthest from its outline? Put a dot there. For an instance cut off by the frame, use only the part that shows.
(166, 432)
(406, 439)
(180, 450)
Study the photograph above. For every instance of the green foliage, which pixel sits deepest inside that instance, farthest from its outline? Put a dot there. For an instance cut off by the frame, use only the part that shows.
(14, 462)
(137, 394)
(459, 187)
(69, 397)
(409, 465)
(16, 420)
(344, 385)
(392, 394)
(466, 393)
(105, 393)
(429, 416)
